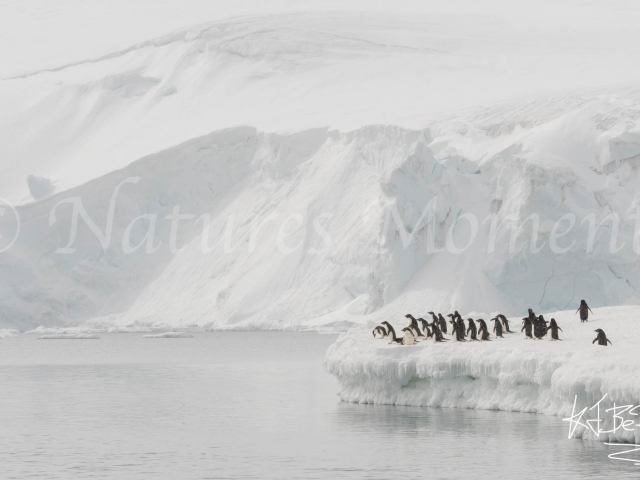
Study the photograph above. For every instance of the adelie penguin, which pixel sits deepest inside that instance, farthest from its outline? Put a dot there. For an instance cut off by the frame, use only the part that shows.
(553, 326)
(472, 331)
(527, 326)
(497, 327)
(391, 333)
(540, 328)
(584, 311)
(437, 334)
(483, 331)
(379, 331)
(413, 324)
(601, 338)
(505, 323)
(457, 335)
(460, 330)
(425, 327)
(409, 337)
(442, 323)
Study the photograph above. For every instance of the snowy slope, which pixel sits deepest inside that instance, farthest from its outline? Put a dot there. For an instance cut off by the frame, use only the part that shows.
(511, 374)
(73, 122)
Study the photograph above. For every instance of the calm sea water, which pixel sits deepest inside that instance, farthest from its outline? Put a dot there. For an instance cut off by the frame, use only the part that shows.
(248, 405)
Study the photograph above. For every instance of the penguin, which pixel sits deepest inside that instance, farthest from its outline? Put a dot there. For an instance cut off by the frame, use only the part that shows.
(543, 325)
(527, 327)
(442, 323)
(437, 333)
(425, 328)
(472, 330)
(409, 338)
(391, 333)
(497, 327)
(553, 326)
(536, 328)
(532, 316)
(539, 328)
(413, 324)
(460, 330)
(379, 331)
(601, 338)
(454, 327)
(584, 311)
(483, 331)
(505, 323)
(456, 315)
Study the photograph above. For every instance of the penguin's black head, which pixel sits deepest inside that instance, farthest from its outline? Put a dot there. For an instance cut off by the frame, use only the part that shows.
(450, 315)
(582, 301)
(408, 315)
(530, 310)
(431, 313)
(599, 330)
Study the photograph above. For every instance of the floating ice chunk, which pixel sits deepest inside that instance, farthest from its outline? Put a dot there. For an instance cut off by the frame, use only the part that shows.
(70, 336)
(7, 333)
(170, 335)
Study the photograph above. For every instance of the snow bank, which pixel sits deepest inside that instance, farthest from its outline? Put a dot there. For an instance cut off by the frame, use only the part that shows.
(511, 374)
(170, 335)
(70, 336)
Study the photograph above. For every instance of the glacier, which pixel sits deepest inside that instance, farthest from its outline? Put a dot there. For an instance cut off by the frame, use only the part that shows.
(348, 202)
(328, 134)
(513, 374)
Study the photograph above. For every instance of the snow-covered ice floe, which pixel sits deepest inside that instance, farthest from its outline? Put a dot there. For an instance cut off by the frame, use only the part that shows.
(8, 332)
(512, 374)
(70, 336)
(170, 335)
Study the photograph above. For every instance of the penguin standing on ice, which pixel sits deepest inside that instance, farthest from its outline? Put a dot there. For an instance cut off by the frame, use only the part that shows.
(527, 327)
(409, 337)
(425, 327)
(472, 331)
(391, 333)
(413, 325)
(601, 338)
(584, 311)
(505, 323)
(483, 331)
(553, 326)
(540, 328)
(437, 333)
(544, 325)
(460, 330)
(443, 323)
(454, 326)
(497, 327)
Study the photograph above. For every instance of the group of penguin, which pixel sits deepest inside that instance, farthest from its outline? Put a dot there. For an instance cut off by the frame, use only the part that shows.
(535, 328)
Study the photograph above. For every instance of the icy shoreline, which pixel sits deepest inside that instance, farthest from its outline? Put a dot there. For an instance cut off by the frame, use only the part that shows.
(511, 374)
